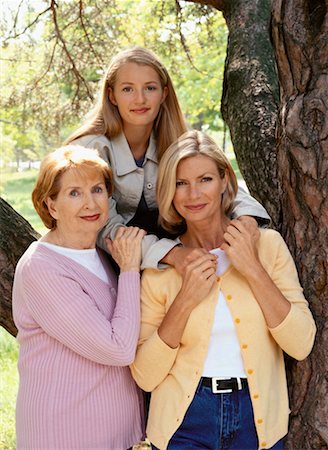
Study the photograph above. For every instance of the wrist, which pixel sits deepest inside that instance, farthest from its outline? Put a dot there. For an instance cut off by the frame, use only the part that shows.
(170, 257)
(130, 269)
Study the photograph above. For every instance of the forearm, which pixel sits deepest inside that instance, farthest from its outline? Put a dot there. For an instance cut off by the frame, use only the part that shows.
(155, 251)
(169, 258)
(154, 360)
(174, 322)
(246, 205)
(272, 302)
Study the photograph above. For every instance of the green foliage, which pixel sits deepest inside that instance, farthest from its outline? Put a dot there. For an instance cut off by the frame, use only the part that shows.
(50, 73)
(8, 389)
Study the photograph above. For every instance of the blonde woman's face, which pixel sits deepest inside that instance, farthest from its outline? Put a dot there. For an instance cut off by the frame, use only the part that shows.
(199, 189)
(138, 95)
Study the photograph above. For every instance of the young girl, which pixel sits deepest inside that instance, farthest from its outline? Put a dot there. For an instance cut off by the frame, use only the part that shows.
(137, 118)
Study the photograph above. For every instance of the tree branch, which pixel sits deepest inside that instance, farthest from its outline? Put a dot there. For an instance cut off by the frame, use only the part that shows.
(80, 79)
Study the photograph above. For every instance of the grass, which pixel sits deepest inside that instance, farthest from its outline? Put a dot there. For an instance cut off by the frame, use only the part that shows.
(8, 389)
(16, 188)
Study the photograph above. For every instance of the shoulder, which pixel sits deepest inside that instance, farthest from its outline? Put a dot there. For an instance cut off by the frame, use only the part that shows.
(92, 141)
(272, 247)
(269, 237)
(160, 278)
(34, 259)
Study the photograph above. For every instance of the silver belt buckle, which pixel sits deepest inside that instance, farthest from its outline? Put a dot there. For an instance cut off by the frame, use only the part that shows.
(215, 389)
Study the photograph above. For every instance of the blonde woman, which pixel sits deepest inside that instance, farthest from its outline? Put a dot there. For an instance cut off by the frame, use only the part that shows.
(136, 119)
(212, 340)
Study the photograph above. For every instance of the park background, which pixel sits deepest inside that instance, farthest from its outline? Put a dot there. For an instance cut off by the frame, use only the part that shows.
(256, 64)
(36, 118)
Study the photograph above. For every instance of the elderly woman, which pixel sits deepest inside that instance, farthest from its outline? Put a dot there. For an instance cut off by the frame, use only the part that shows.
(212, 340)
(77, 324)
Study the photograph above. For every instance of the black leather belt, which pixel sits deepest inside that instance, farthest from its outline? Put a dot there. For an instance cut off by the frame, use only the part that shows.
(223, 385)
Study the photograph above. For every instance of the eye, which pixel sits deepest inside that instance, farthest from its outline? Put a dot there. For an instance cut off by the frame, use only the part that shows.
(151, 88)
(180, 183)
(98, 190)
(127, 89)
(73, 193)
(206, 179)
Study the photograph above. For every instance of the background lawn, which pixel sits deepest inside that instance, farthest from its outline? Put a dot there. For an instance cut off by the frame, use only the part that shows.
(8, 389)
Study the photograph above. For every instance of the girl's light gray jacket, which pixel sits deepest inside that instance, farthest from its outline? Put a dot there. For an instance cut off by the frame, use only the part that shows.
(130, 181)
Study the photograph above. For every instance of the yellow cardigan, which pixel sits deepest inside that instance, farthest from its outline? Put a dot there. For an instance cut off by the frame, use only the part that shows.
(173, 374)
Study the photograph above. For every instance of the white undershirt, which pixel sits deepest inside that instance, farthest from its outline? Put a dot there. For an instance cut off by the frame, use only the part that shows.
(88, 258)
(223, 356)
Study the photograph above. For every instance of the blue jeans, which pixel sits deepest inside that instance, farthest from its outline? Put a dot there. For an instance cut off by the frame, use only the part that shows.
(218, 422)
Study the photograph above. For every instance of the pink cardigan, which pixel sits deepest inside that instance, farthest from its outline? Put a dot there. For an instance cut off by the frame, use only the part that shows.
(77, 335)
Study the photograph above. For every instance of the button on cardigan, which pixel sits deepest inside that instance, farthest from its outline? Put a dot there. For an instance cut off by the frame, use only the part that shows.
(173, 374)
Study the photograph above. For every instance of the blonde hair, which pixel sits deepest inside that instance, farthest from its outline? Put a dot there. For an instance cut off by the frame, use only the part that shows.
(191, 143)
(105, 118)
(52, 168)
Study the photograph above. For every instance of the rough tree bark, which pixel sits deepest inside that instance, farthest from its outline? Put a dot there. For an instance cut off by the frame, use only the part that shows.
(16, 235)
(300, 38)
(250, 98)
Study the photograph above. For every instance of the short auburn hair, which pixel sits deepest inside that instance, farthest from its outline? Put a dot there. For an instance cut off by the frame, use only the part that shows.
(190, 144)
(54, 165)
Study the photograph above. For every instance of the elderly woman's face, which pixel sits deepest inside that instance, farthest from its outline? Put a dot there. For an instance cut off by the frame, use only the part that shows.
(81, 205)
(199, 189)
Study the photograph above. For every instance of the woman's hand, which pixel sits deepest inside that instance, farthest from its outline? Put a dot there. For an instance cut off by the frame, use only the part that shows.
(198, 280)
(180, 257)
(126, 248)
(251, 225)
(241, 246)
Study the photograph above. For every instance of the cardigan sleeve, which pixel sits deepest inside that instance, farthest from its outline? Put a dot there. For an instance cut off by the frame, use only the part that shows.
(296, 333)
(154, 359)
(63, 309)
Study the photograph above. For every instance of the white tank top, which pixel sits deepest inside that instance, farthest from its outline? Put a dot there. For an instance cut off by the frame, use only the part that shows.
(223, 357)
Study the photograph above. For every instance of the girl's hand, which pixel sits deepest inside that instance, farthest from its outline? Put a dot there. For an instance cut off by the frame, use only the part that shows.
(126, 248)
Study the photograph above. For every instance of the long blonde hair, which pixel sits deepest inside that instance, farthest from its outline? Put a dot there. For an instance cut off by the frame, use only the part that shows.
(105, 118)
(190, 144)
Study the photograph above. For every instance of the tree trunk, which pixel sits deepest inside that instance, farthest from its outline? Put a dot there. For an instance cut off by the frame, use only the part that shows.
(300, 38)
(250, 98)
(16, 235)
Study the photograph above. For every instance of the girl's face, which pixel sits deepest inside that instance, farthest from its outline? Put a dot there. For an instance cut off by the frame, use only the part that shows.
(138, 95)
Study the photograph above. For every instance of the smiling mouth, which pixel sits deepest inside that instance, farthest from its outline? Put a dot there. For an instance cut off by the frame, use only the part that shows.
(195, 207)
(93, 218)
(140, 110)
